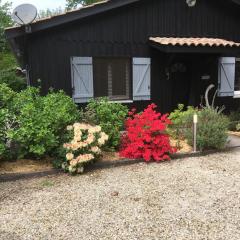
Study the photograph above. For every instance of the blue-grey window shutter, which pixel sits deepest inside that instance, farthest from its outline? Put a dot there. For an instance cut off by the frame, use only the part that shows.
(141, 79)
(226, 76)
(82, 78)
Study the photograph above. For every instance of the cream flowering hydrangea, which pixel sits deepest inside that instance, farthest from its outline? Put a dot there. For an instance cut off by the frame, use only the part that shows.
(84, 147)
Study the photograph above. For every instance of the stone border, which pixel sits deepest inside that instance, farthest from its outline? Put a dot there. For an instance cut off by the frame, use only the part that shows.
(104, 165)
(177, 156)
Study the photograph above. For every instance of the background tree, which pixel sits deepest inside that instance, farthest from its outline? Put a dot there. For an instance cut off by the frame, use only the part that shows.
(8, 64)
(50, 12)
(72, 4)
(5, 21)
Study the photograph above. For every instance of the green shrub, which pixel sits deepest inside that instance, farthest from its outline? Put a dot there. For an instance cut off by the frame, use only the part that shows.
(6, 117)
(179, 116)
(3, 119)
(182, 121)
(6, 95)
(8, 72)
(110, 116)
(238, 127)
(39, 122)
(211, 129)
(15, 82)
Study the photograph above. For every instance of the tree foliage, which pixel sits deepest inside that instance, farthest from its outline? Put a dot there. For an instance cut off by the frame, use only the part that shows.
(5, 21)
(50, 12)
(72, 4)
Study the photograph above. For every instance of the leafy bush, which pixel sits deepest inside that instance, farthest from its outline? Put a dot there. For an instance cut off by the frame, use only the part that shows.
(110, 116)
(15, 82)
(85, 146)
(7, 60)
(7, 119)
(211, 130)
(6, 96)
(179, 116)
(37, 122)
(8, 72)
(3, 137)
(146, 136)
(182, 120)
(238, 127)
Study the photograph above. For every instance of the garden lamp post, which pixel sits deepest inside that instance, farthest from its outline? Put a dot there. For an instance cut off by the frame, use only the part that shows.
(195, 122)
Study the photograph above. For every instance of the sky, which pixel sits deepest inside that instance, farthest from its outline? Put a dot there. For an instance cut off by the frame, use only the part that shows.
(40, 4)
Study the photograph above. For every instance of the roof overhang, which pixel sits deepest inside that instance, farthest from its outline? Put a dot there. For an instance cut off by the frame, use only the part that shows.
(90, 10)
(194, 45)
(68, 17)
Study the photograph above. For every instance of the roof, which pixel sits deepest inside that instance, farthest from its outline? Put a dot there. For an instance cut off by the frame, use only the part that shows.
(63, 14)
(70, 16)
(204, 42)
(86, 11)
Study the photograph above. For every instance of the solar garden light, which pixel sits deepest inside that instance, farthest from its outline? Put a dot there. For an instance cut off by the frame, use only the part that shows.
(195, 122)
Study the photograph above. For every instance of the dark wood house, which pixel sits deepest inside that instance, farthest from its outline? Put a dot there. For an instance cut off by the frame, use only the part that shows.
(136, 51)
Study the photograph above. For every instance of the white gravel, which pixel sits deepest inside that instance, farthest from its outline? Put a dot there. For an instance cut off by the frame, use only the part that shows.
(188, 199)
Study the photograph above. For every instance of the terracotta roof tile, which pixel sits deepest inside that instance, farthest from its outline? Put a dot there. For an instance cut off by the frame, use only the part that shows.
(212, 42)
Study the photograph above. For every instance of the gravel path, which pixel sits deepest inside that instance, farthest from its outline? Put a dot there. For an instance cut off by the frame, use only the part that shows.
(188, 199)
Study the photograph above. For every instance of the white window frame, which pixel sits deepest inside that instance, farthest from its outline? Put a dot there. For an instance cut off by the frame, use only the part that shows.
(237, 93)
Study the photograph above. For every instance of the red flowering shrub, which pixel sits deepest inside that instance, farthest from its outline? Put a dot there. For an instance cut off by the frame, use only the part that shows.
(146, 136)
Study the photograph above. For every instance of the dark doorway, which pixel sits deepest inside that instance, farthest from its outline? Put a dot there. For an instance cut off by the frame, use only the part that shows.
(190, 75)
(180, 73)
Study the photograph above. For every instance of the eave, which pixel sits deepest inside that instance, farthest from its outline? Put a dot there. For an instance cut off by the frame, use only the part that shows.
(68, 17)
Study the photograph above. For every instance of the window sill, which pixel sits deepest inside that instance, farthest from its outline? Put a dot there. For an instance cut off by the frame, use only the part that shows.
(236, 94)
(121, 101)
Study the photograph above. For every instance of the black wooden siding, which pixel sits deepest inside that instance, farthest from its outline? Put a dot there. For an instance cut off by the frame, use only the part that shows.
(125, 32)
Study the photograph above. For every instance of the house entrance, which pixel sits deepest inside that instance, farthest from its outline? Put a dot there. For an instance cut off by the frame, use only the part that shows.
(190, 75)
(180, 77)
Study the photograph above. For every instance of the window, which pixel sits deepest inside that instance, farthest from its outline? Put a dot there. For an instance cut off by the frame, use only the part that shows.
(120, 79)
(112, 78)
(237, 78)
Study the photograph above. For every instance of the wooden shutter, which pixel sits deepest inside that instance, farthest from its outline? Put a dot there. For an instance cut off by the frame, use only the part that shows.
(226, 76)
(141, 79)
(82, 79)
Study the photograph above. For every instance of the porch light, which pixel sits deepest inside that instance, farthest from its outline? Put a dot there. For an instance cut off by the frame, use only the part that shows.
(191, 3)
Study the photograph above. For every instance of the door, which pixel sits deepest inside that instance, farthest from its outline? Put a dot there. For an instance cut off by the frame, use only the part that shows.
(180, 77)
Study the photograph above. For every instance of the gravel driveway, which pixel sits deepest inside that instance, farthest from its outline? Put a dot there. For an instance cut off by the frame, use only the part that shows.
(194, 198)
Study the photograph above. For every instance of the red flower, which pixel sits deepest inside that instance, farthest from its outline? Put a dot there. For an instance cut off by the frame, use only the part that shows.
(146, 137)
